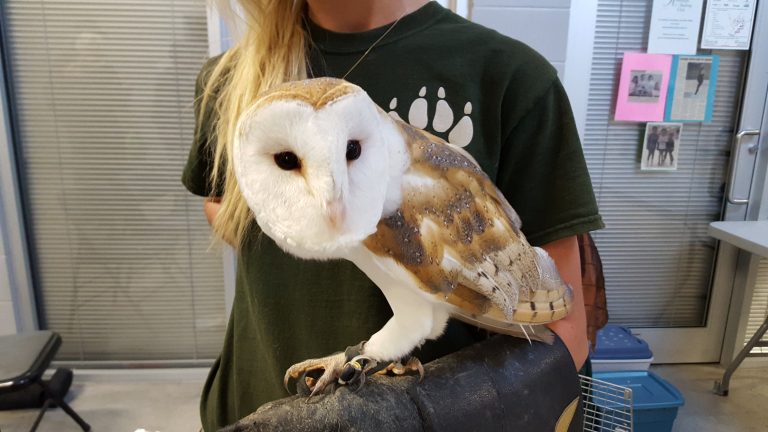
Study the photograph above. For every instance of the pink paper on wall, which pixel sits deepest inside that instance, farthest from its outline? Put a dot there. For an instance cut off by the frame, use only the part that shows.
(643, 86)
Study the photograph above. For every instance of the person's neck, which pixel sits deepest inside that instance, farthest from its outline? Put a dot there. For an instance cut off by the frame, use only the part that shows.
(351, 16)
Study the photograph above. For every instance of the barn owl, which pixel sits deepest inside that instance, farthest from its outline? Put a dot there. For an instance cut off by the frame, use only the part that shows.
(329, 175)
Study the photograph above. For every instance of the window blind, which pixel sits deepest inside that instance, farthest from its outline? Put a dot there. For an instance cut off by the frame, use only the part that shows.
(103, 96)
(657, 255)
(759, 308)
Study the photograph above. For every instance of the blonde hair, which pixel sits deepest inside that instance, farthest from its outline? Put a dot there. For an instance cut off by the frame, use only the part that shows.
(271, 50)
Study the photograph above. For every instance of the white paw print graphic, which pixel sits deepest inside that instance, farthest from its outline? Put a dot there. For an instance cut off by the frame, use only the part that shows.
(460, 134)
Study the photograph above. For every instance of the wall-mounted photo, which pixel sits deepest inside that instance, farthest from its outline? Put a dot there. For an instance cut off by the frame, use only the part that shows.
(697, 79)
(661, 146)
(645, 86)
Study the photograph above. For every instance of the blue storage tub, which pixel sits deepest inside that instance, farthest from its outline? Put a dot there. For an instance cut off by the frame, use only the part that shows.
(654, 401)
(617, 349)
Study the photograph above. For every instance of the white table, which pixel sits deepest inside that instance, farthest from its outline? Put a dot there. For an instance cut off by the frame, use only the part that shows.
(752, 237)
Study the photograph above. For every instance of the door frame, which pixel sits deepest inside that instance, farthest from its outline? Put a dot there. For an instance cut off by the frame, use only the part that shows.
(756, 113)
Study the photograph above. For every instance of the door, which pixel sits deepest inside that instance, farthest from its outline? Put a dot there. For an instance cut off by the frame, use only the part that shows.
(734, 271)
(748, 200)
(666, 277)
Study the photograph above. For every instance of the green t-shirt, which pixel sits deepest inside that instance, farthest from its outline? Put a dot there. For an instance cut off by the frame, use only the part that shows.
(456, 79)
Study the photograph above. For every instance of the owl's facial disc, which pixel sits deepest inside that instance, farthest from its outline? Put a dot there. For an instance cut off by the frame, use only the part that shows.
(316, 178)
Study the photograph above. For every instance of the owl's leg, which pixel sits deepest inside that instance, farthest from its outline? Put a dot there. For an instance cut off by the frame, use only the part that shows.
(413, 321)
(440, 317)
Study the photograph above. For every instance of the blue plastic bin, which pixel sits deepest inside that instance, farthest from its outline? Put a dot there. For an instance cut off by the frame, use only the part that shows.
(654, 401)
(617, 349)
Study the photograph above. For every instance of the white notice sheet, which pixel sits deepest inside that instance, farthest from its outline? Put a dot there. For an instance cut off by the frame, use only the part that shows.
(675, 26)
(728, 24)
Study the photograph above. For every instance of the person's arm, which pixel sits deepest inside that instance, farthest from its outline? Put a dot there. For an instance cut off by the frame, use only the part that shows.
(211, 208)
(573, 328)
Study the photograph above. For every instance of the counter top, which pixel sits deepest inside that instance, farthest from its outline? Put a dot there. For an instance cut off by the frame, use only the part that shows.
(752, 236)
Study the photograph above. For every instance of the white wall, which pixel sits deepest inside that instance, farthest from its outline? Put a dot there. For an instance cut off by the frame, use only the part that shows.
(7, 316)
(542, 24)
(17, 310)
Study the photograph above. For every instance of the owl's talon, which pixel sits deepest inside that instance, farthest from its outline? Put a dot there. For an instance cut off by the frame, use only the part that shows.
(315, 375)
(362, 382)
(401, 368)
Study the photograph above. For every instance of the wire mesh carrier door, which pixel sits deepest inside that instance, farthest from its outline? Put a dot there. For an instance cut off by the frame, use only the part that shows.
(607, 407)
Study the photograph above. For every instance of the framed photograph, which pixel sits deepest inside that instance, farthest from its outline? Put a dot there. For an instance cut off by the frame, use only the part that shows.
(643, 87)
(661, 146)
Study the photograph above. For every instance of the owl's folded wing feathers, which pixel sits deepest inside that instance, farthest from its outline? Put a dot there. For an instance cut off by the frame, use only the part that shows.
(461, 240)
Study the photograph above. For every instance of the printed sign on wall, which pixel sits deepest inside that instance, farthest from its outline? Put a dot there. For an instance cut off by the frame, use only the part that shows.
(728, 24)
(675, 26)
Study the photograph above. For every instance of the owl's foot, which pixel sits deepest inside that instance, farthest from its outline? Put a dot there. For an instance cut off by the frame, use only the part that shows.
(356, 369)
(315, 375)
(399, 368)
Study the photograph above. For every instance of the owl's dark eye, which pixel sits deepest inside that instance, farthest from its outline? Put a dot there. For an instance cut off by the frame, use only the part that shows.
(353, 150)
(287, 161)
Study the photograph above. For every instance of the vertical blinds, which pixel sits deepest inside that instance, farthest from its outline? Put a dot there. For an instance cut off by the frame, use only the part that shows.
(103, 97)
(759, 308)
(656, 252)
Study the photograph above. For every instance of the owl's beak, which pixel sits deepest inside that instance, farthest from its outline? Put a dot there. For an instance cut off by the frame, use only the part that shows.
(336, 213)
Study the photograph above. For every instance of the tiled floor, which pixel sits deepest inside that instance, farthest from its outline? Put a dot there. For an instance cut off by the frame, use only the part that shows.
(745, 409)
(163, 400)
(167, 400)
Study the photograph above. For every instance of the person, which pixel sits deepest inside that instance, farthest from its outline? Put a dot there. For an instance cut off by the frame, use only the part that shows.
(514, 118)
(662, 146)
(651, 144)
(699, 79)
(671, 147)
(641, 88)
(633, 86)
(650, 87)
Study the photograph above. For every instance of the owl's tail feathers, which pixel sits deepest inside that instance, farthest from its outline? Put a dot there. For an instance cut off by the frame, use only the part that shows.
(521, 330)
(532, 332)
(553, 300)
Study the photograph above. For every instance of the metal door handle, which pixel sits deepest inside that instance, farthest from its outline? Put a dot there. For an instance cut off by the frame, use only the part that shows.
(734, 157)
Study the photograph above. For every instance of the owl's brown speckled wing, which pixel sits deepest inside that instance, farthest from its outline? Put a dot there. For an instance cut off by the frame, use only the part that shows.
(460, 239)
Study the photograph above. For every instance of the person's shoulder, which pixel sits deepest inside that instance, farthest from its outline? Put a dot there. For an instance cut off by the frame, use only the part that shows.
(207, 69)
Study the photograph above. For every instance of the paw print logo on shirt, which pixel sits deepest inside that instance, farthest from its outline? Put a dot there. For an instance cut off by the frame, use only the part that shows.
(459, 133)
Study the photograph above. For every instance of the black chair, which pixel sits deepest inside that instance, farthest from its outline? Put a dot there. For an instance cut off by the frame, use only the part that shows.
(23, 360)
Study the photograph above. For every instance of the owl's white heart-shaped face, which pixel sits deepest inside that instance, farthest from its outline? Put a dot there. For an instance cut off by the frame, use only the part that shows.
(316, 178)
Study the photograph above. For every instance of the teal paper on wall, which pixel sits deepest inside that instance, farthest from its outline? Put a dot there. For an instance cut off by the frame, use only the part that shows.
(692, 85)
